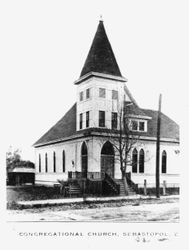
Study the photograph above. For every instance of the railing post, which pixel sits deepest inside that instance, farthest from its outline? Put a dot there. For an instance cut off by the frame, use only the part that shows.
(69, 174)
(129, 175)
(145, 187)
(164, 187)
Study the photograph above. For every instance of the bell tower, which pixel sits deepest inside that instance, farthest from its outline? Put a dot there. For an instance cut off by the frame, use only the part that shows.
(101, 87)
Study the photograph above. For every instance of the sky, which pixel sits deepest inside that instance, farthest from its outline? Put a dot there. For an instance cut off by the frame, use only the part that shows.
(45, 44)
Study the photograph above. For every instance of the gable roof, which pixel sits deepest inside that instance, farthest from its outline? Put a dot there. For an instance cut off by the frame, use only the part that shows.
(133, 109)
(169, 128)
(66, 126)
(101, 58)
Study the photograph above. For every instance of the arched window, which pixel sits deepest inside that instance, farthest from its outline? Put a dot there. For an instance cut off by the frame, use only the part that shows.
(164, 162)
(134, 160)
(54, 162)
(39, 163)
(84, 160)
(63, 161)
(46, 163)
(141, 161)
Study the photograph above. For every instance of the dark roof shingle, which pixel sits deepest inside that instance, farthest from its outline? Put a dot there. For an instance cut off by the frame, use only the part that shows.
(65, 127)
(169, 128)
(101, 58)
(133, 109)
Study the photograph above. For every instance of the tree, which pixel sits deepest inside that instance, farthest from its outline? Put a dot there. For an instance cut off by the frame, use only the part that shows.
(123, 140)
(12, 158)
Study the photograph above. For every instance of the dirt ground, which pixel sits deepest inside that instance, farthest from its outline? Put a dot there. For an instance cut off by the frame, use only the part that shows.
(165, 210)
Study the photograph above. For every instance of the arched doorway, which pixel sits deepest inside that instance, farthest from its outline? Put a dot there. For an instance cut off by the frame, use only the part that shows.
(84, 160)
(107, 160)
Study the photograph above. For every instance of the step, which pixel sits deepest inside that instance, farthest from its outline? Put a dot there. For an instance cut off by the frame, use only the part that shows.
(74, 190)
(120, 182)
(112, 187)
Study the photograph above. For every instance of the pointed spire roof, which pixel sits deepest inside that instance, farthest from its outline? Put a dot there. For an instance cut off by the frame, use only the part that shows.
(101, 58)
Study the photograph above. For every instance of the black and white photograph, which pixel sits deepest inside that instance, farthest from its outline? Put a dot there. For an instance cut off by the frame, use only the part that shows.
(94, 104)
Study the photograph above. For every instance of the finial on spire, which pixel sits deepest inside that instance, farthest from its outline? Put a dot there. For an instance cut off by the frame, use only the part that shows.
(101, 20)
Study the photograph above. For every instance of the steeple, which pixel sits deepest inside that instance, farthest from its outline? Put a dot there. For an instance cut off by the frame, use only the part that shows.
(101, 58)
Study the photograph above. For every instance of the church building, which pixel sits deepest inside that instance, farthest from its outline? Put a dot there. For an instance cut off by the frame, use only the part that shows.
(78, 146)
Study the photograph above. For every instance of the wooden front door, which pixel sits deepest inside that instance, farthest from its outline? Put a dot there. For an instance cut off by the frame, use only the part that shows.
(84, 162)
(107, 165)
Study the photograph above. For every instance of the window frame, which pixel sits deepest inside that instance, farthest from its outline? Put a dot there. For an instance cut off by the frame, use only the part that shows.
(46, 163)
(141, 161)
(39, 163)
(102, 92)
(81, 97)
(114, 120)
(88, 93)
(135, 163)
(54, 162)
(102, 120)
(138, 122)
(164, 162)
(63, 161)
(132, 123)
(81, 121)
(139, 127)
(87, 119)
(114, 94)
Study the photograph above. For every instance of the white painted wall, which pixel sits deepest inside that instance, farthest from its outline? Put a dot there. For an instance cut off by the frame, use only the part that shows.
(71, 154)
(94, 145)
(173, 170)
(96, 103)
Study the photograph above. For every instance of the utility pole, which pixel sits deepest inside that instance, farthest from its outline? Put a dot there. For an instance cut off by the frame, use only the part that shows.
(158, 148)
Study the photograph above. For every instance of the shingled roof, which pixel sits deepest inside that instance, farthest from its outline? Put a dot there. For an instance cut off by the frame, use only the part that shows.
(101, 58)
(66, 127)
(169, 128)
(133, 109)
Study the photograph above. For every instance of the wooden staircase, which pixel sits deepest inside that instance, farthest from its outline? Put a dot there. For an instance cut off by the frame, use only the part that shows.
(110, 187)
(73, 189)
(77, 185)
(130, 189)
(116, 186)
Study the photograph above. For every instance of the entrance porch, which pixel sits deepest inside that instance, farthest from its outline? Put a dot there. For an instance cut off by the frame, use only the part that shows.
(99, 183)
(98, 172)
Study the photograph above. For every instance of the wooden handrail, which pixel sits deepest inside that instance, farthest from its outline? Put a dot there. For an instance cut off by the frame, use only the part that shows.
(115, 186)
(80, 175)
(131, 183)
